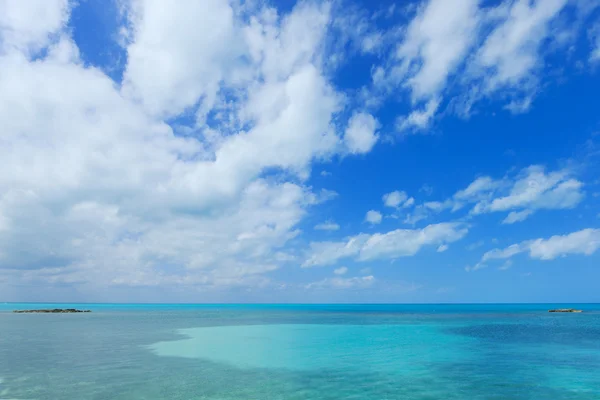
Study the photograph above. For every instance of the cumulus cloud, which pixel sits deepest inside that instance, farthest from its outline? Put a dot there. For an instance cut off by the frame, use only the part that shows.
(583, 242)
(31, 27)
(176, 55)
(373, 217)
(384, 246)
(397, 199)
(99, 185)
(360, 136)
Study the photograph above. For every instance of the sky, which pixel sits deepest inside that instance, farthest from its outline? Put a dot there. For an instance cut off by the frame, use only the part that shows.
(300, 151)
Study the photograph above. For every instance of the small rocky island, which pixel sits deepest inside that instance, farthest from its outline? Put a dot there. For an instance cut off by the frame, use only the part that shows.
(52, 311)
(566, 310)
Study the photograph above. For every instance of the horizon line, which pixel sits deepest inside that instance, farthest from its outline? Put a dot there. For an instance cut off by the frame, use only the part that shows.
(300, 304)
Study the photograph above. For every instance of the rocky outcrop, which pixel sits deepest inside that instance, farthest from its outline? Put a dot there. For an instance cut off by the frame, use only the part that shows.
(565, 310)
(52, 311)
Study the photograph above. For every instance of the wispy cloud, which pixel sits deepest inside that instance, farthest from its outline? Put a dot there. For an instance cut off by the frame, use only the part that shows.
(343, 283)
(327, 226)
(532, 189)
(583, 242)
(390, 245)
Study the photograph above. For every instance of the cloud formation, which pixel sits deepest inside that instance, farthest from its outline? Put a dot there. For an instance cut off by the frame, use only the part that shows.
(455, 54)
(191, 167)
(384, 246)
(360, 136)
(373, 217)
(530, 190)
(170, 176)
(397, 199)
(583, 242)
(436, 42)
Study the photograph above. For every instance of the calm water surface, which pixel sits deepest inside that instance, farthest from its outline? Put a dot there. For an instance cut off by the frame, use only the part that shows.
(365, 352)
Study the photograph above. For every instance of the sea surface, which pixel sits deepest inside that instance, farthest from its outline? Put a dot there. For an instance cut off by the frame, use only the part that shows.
(363, 352)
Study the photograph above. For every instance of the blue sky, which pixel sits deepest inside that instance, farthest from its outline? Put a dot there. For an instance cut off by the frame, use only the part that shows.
(311, 151)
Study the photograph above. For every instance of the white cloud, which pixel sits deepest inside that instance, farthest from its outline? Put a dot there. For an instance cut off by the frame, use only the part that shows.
(176, 55)
(393, 199)
(530, 190)
(535, 189)
(461, 52)
(436, 42)
(340, 271)
(360, 136)
(502, 253)
(397, 199)
(442, 248)
(517, 216)
(391, 245)
(584, 242)
(327, 226)
(343, 283)
(423, 211)
(30, 26)
(437, 205)
(418, 120)
(479, 186)
(121, 198)
(520, 106)
(371, 42)
(510, 54)
(373, 217)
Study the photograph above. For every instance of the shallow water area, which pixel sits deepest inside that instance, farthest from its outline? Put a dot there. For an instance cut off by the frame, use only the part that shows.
(390, 348)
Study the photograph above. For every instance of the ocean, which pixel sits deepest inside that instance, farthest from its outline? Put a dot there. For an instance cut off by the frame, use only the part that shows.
(363, 352)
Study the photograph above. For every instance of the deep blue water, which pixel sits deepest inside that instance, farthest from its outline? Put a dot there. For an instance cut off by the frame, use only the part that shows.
(167, 351)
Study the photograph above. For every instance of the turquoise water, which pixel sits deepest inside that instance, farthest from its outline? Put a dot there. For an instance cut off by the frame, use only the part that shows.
(163, 351)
